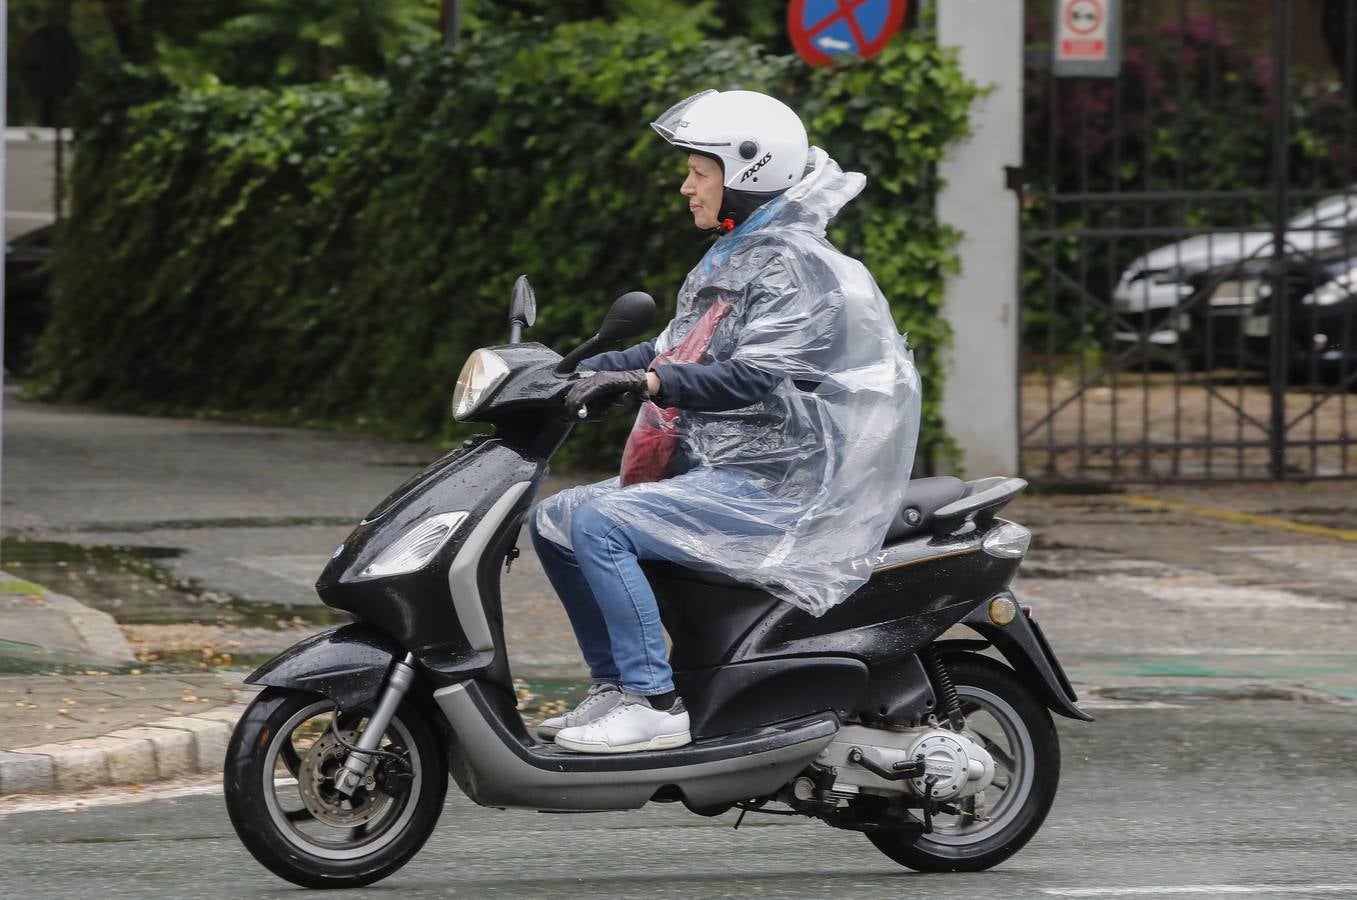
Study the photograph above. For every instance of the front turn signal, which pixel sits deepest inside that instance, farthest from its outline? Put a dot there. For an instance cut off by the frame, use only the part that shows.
(1002, 610)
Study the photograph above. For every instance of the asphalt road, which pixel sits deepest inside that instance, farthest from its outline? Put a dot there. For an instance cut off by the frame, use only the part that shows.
(1199, 799)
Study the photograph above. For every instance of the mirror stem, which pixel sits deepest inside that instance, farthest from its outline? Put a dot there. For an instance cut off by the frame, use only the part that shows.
(572, 359)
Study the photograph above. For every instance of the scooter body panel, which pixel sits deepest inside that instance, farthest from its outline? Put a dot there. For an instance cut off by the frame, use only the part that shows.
(495, 766)
(919, 588)
(747, 695)
(447, 612)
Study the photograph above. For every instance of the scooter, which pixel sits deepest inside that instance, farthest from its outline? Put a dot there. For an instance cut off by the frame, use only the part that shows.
(868, 717)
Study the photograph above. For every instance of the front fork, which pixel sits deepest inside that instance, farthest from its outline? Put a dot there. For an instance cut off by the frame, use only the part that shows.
(356, 763)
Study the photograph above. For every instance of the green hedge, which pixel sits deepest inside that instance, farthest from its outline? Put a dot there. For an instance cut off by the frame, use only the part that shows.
(329, 254)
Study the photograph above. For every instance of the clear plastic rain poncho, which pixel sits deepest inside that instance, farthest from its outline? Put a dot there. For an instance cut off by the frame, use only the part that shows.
(795, 492)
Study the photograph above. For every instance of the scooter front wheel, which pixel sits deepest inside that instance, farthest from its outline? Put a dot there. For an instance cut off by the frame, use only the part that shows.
(983, 831)
(279, 777)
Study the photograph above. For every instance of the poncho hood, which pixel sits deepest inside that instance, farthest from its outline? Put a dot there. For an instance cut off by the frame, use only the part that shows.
(819, 195)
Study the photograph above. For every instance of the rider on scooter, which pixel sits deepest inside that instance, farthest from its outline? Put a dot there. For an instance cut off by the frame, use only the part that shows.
(778, 433)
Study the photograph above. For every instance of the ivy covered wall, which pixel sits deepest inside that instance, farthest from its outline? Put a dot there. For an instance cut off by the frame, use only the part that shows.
(329, 253)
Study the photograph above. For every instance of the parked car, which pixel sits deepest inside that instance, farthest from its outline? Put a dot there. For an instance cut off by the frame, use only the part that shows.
(1229, 322)
(27, 306)
(1153, 286)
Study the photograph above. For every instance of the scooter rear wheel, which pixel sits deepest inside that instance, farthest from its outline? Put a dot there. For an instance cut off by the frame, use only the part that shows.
(1016, 728)
(279, 771)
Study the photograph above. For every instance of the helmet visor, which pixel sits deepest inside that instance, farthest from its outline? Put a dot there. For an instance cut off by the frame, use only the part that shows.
(669, 123)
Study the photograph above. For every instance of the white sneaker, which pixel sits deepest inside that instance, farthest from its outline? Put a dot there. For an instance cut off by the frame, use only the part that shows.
(601, 698)
(630, 726)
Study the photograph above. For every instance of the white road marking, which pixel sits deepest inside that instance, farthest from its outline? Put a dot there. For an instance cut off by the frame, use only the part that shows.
(1290, 890)
(1211, 594)
(1235, 651)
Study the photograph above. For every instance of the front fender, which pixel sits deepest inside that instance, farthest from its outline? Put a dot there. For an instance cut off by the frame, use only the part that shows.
(348, 664)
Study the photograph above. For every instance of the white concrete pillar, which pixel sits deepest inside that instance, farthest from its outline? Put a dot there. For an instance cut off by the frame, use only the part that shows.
(980, 391)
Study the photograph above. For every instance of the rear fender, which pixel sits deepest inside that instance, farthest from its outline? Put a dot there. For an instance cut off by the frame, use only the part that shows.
(1024, 646)
(348, 664)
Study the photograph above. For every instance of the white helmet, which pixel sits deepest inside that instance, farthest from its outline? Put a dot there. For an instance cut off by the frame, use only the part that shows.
(759, 142)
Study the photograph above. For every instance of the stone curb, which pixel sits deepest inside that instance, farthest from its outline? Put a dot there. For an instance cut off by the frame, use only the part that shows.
(103, 641)
(167, 748)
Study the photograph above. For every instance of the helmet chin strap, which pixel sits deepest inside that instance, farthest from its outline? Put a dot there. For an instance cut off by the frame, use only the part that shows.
(733, 211)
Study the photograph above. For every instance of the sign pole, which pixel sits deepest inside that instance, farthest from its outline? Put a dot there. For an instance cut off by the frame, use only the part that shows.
(4, 172)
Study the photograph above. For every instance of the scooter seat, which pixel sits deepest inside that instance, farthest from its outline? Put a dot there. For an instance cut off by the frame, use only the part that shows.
(923, 497)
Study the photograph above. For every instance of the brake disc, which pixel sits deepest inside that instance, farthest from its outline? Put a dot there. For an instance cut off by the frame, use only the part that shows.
(316, 783)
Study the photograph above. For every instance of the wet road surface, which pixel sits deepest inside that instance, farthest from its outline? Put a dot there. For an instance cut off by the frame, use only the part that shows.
(1189, 799)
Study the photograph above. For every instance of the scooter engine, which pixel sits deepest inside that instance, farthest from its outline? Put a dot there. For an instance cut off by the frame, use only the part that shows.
(876, 761)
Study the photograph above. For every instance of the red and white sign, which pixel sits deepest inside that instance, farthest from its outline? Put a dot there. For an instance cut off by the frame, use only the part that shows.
(1081, 34)
(822, 30)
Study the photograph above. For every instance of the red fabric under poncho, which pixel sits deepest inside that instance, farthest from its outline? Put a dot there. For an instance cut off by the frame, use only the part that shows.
(649, 454)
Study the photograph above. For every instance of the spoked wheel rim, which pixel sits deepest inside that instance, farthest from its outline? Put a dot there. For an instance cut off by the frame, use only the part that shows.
(993, 723)
(298, 766)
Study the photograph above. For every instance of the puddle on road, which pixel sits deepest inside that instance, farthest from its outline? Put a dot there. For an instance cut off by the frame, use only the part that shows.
(134, 586)
(196, 524)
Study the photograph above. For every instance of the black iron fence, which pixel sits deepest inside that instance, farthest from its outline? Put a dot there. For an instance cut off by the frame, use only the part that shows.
(1189, 248)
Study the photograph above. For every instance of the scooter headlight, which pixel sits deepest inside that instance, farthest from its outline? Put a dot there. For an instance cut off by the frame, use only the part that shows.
(483, 372)
(1009, 541)
(416, 547)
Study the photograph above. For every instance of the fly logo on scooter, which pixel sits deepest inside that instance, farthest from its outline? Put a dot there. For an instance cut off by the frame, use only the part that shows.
(870, 562)
(865, 718)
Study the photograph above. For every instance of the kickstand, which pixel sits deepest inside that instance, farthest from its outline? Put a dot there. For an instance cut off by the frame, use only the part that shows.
(928, 803)
(741, 818)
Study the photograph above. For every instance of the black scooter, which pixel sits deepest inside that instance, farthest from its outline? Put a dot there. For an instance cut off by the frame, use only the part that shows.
(944, 757)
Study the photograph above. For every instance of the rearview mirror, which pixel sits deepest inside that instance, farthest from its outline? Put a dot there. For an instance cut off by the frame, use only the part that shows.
(523, 307)
(630, 315)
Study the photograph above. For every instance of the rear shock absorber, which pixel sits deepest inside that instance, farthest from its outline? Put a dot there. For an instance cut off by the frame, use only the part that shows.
(942, 682)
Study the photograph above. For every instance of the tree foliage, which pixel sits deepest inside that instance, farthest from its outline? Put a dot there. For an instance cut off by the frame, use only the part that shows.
(242, 42)
(331, 252)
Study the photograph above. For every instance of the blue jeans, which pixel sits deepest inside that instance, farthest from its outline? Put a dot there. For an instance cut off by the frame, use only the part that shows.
(611, 605)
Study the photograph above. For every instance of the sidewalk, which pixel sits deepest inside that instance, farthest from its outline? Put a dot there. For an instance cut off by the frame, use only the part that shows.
(70, 732)
(1150, 596)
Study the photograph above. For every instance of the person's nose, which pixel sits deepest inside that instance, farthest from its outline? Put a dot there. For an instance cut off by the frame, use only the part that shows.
(688, 189)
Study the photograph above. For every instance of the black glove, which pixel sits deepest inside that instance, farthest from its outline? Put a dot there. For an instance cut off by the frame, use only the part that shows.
(603, 384)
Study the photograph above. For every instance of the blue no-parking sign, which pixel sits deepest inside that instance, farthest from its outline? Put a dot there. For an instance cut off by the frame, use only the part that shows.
(823, 29)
